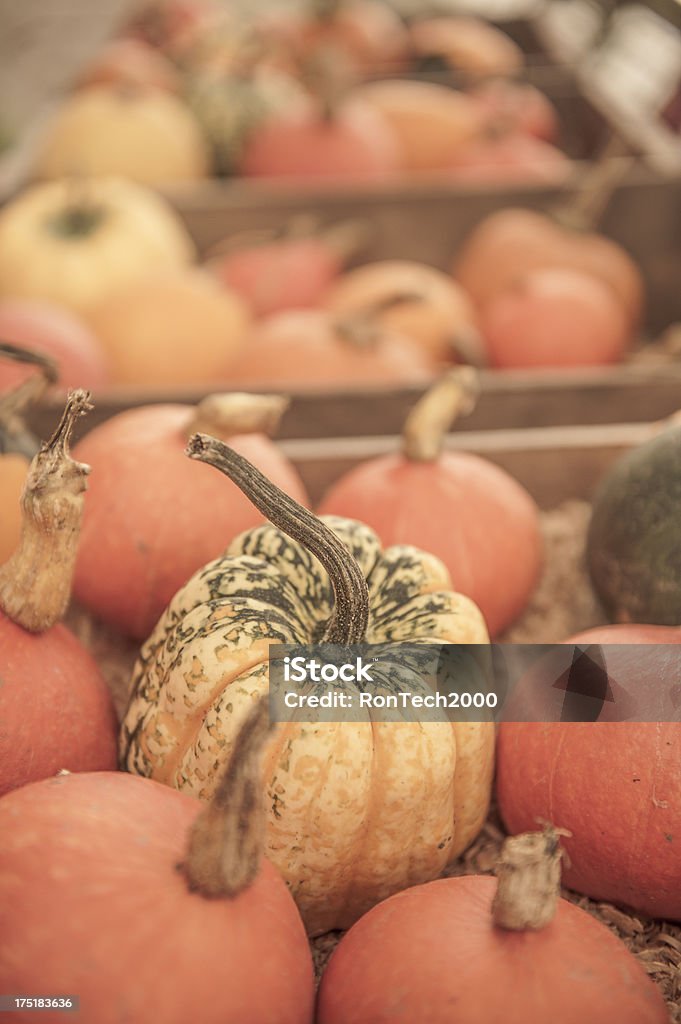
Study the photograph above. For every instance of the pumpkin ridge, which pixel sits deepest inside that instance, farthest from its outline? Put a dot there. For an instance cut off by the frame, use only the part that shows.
(187, 738)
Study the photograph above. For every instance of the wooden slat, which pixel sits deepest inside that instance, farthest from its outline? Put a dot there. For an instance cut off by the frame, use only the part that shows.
(555, 464)
(542, 398)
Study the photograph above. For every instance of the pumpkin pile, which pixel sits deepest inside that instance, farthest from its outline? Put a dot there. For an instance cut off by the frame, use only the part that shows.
(235, 841)
(171, 849)
(186, 91)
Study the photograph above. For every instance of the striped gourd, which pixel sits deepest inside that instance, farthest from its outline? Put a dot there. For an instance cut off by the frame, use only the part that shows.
(356, 811)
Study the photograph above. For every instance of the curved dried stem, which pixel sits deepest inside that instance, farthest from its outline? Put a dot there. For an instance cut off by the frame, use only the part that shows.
(350, 616)
(35, 583)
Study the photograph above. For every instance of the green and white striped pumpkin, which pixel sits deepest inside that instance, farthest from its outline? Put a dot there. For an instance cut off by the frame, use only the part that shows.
(356, 811)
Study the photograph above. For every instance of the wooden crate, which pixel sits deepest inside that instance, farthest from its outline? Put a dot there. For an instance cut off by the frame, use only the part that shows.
(429, 221)
(555, 464)
(507, 400)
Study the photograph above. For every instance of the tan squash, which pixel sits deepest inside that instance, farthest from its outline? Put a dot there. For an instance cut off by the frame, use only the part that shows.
(356, 811)
(72, 242)
(144, 134)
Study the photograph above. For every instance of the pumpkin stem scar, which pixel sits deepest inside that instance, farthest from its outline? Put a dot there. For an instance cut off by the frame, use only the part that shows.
(528, 873)
(35, 583)
(426, 426)
(350, 616)
(227, 839)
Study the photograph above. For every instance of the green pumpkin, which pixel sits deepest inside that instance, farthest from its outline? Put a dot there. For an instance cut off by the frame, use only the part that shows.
(634, 541)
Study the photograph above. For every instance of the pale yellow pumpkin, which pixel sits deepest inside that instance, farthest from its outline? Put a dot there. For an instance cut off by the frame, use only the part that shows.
(144, 134)
(356, 811)
(73, 242)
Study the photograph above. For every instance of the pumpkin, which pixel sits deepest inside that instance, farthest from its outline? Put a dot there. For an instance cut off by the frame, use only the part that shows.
(285, 269)
(130, 62)
(471, 514)
(470, 46)
(55, 708)
(144, 134)
(364, 36)
(615, 779)
(469, 950)
(309, 348)
(58, 334)
(555, 317)
(83, 856)
(510, 243)
(154, 517)
(351, 142)
(634, 543)
(518, 106)
(170, 330)
(71, 243)
(431, 122)
(356, 811)
(412, 299)
(506, 156)
(229, 109)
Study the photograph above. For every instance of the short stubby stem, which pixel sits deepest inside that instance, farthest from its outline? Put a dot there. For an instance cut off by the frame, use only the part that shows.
(426, 426)
(528, 889)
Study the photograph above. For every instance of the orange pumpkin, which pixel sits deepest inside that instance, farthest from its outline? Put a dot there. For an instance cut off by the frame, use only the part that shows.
(290, 268)
(469, 950)
(57, 333)
(468, 45)
(513, 242)
(367, 36)
(154, 517)
(518, 106)
(616, 785)
(469, 513)
(170, 330)
(307, 348)
(130, 859)
(555, 317)
(430, 122)
(412, 299)
(353, 142)
(508, 157)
